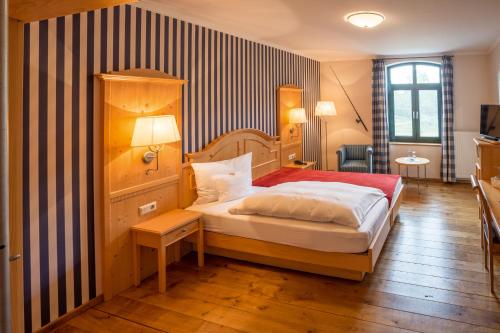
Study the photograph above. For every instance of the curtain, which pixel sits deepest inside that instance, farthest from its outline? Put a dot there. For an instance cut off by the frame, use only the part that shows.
(381, 163)
(447, 135)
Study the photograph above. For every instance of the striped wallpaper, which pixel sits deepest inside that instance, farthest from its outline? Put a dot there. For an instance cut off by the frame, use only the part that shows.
(232, 84)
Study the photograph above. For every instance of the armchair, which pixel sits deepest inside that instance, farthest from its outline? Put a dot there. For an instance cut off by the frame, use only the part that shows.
(355, 158)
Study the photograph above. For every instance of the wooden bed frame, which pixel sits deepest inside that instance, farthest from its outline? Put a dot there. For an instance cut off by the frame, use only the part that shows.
(266, 159)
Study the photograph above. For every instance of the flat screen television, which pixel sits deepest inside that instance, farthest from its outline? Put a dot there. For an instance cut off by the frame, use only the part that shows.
(490, 122)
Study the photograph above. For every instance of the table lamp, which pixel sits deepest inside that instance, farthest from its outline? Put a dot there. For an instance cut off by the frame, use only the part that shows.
(325, 109)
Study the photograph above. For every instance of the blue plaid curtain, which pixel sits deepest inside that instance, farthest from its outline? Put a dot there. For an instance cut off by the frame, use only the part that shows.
(447, 135)
(381, 163)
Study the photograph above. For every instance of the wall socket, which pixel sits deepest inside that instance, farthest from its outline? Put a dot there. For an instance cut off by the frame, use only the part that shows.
(291, 157)
(147, 208)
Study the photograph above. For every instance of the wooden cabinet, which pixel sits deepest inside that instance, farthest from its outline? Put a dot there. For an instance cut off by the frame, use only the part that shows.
(122, 184)
(488, 159)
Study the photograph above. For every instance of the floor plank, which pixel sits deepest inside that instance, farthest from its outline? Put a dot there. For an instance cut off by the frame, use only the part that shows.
(430, 278)
(97, 321)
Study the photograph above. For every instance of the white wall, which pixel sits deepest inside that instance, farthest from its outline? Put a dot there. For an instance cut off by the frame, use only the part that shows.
(494, 63)
(472, 88)
(472, 80)
(342, 129)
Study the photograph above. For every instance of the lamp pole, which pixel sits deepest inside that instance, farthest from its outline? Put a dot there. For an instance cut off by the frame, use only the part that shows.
(325, 109)
(326, 141)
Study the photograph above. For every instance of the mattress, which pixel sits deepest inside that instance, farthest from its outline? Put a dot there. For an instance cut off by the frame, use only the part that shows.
(320, 236)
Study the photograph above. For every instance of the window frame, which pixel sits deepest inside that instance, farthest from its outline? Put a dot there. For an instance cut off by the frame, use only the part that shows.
(414, 88)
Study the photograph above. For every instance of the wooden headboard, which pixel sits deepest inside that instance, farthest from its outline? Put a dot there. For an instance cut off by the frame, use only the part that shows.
(265, 157)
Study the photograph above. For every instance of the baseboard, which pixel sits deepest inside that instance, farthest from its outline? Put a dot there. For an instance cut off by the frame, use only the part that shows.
(73, 313)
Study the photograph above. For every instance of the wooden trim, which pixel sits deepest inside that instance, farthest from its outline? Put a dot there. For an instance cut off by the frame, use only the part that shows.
(214, 147)
(289, 87)
(144, 186)
(141, 75)
(36, 10)
(70, 315)
(16, 38)
(290, 264)
(379, 240)
(395, 205)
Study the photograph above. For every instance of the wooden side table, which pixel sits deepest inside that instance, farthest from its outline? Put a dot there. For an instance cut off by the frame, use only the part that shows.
(413, 161)
(308, 165)
(162, 231)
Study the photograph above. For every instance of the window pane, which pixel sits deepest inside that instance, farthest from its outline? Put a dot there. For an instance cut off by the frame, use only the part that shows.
(403, 122)
(428, 74)
(402, 74)
(429, 115)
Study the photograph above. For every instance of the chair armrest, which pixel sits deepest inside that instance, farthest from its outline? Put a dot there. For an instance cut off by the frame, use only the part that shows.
(369, 150)
(369, 158)
(341, 156)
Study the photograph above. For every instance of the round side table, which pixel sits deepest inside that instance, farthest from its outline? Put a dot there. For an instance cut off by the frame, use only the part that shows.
(413, 161)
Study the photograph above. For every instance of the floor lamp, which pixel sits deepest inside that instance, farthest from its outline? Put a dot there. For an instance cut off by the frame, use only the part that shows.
(325, 109)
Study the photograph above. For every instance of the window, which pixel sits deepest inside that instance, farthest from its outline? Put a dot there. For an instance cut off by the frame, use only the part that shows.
(415, 102)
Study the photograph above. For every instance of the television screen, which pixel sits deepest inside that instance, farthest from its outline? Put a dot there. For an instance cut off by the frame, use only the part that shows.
(490, 121)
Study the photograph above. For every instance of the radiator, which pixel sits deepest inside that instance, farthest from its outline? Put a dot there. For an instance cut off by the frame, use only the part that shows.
(465, 153)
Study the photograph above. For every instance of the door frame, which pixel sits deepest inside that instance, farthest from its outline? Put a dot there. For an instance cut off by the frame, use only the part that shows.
(16, 42)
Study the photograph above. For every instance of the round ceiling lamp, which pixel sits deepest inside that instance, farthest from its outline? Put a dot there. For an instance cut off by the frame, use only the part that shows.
(365, 19)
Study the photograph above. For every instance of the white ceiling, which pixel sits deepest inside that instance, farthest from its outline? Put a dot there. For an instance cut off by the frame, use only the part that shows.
(316, 28)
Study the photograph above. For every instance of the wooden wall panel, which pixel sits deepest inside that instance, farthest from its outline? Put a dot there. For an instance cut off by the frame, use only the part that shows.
(123, 215)
(289, 97)
(125, 96)
(35, 10)
(158, 100)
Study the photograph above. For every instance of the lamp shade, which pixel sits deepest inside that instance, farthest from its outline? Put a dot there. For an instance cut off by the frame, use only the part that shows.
(365, 19)
(297, 116)
(325, 108)
(156, 130)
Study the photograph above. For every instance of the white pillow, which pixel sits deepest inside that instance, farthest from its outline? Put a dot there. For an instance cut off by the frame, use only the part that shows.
(204, 173)
(232, 186)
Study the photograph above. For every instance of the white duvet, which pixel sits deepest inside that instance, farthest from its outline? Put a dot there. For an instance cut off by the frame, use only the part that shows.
(340, 203)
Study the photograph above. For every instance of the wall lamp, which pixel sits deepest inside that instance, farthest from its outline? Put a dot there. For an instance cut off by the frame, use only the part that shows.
(296, 117)
(154, 132)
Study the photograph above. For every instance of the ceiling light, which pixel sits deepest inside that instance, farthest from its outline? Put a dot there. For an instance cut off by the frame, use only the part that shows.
(365, 19)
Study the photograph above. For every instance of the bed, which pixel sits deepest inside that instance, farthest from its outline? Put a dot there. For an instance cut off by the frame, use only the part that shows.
(327, 249)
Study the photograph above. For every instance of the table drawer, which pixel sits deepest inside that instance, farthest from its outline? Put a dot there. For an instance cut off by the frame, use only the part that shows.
(179, 233)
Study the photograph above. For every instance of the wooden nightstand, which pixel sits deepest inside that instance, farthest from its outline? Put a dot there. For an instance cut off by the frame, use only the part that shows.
(308, 165)
(162, 231)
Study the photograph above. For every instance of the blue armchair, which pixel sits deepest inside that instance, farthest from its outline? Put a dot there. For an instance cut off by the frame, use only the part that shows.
(355, 158)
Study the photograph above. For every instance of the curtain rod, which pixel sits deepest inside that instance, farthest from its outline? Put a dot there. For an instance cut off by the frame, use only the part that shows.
(409, 57)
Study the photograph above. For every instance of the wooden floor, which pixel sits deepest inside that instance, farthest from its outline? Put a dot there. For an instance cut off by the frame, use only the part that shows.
(430, 278)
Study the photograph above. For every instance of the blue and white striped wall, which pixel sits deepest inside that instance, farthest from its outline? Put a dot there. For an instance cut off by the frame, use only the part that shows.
(232, 84)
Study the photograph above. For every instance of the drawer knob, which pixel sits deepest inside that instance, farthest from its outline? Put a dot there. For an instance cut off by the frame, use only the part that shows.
(183, 229)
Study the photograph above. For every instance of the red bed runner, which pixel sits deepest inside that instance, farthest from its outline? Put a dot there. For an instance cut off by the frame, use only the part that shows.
(386, 183)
